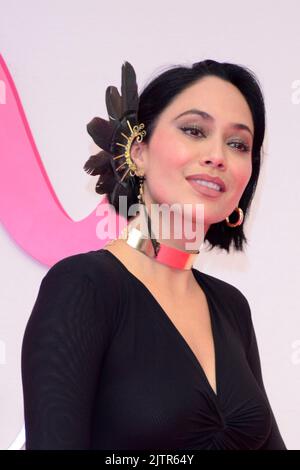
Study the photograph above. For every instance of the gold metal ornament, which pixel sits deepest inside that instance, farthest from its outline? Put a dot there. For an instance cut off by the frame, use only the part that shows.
(141, 190)
(240, 219)
(137, 133)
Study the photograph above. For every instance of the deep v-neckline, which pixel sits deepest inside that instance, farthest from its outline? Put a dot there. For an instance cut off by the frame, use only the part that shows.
(174, 329)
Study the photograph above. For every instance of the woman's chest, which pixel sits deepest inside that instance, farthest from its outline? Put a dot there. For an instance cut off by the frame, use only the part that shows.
(153, 391)
(191, 318)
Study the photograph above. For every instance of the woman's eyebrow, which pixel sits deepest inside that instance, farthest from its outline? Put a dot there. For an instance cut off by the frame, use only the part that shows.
(208, 117)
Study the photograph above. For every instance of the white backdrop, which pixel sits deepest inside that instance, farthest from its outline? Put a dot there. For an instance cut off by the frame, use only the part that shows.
(62, 55)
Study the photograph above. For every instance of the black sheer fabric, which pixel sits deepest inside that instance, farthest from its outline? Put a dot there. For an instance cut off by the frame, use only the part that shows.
(104, 367)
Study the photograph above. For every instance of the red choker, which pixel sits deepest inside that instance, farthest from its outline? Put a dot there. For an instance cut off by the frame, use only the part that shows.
(164, 254)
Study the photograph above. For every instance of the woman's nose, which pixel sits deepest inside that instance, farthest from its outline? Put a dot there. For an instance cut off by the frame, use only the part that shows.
(214, 161)
(215, 156)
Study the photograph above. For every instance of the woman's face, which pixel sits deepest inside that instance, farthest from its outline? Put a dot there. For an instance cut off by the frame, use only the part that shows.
(196, 144)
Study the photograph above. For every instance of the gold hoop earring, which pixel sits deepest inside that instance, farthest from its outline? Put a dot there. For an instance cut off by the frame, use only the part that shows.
(240, 219)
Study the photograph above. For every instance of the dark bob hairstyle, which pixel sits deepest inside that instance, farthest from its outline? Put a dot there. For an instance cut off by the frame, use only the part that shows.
(159, 93)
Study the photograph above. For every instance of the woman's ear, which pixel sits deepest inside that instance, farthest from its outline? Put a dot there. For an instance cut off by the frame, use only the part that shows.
(138, 155)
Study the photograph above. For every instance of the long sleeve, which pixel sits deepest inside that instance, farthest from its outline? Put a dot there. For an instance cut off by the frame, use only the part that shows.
(63, 347)
(274, 440)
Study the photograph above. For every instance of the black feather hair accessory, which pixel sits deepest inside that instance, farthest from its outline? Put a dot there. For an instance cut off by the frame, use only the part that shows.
(118, 134)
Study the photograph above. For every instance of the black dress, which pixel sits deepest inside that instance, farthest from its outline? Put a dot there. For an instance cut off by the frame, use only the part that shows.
(104, 367)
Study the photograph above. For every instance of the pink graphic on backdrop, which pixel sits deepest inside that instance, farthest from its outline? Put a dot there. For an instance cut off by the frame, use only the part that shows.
(29, 208)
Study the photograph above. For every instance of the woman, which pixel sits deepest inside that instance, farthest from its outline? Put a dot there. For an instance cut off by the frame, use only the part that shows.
(130, 347)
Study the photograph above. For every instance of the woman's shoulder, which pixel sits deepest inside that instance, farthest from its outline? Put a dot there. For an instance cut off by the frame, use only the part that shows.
(232, 301)
(82, 290)
(223, 288)
(93, 265)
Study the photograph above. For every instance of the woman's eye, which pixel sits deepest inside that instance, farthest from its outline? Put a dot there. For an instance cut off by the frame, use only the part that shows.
(196, 131)
(241, 146)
